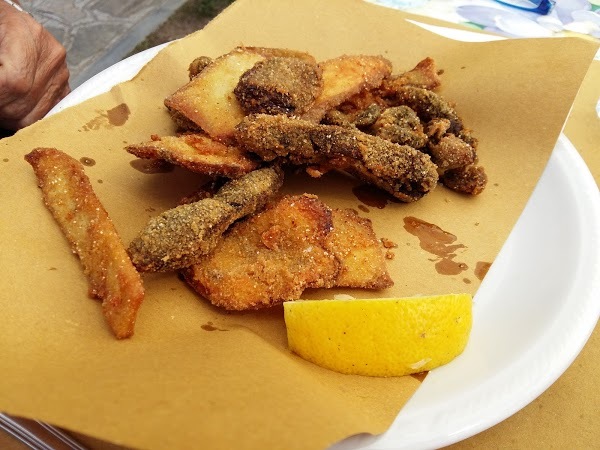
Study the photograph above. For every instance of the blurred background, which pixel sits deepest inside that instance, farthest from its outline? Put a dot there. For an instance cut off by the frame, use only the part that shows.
(99, 33)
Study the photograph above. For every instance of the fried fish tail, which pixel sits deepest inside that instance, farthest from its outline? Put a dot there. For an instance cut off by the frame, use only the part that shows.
(69, 196)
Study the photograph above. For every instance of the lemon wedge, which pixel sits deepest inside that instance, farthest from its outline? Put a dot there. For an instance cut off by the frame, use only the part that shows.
(380, 337)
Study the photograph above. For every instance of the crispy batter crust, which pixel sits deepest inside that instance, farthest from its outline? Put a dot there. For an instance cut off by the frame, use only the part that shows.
(69, 196)
(423, 75)
(279, 86)
(208, 100)
(198, 153)
(269, 258)
(344, 77)
(401, 170)
(355, 245)
(179, 237)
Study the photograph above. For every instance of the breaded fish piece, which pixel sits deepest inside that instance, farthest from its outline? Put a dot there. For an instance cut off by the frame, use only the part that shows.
(427, 104)
(355, 245)
(401, 125)
(344, 77)
(401, 170)
(423, 75)
(69, 196)
(269, 258)
(279, 85)
(198, 153)
(179, 237)
(470, 179)
(208, 100)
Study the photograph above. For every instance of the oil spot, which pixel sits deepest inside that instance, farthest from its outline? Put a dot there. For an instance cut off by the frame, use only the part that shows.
(114, 117)
(438, 242)
(87, 161)
(208, 326)
(481, 269)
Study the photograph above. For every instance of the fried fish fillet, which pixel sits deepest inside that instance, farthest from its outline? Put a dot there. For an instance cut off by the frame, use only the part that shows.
(179, 237)
(69, 196)
(294, 244)
(404, 172)
(355, 245)
(208, 100)
(344, 77)
(269, 258)
(197, 152)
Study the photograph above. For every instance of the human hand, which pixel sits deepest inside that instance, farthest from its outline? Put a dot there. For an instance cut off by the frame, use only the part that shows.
(33, 70)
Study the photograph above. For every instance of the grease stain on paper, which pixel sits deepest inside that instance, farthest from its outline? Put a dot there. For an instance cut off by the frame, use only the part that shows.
(438, 242)
(209, 326)
(114, 117)
(481, 269)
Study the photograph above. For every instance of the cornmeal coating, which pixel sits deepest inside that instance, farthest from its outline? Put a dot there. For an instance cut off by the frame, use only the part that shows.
(179, 237)
(270, 257)
(279, 85)
(404, 172)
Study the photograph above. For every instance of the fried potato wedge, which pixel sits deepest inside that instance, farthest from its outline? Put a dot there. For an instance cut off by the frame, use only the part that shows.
(198, 153)
(179, 237)
(69, 196)
(208, 99)
(269, 258)
(354, 243)
(344, 77)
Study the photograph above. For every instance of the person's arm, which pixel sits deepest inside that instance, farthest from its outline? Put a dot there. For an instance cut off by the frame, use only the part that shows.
(33, 70)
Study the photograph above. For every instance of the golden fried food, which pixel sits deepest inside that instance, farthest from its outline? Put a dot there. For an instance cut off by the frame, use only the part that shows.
(470, 179)
(451, 152)
(198, 153)
(344, 77)
(401, 125)
(69, 196)
(179, 237)
(427, 104)
(404, 172)
(198, 65)
(208, 100)
(423, 75)
(269, 258)
(355, 245)
(279, 85)
(275, 52)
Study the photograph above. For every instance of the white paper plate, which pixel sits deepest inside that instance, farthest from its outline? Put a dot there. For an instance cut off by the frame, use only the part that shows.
(533, 313)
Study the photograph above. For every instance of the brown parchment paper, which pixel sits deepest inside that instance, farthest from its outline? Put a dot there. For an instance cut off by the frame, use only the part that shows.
(177, 385)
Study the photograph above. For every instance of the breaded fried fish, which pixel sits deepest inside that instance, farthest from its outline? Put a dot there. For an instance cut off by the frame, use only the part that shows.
(355, 245)
(279, 85)
(69, 196)
(344, 77)
(196, 152)
(404, 172)
(179, 237)
(269, 258)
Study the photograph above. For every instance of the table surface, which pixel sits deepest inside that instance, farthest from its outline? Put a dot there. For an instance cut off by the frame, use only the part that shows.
(565, 415)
